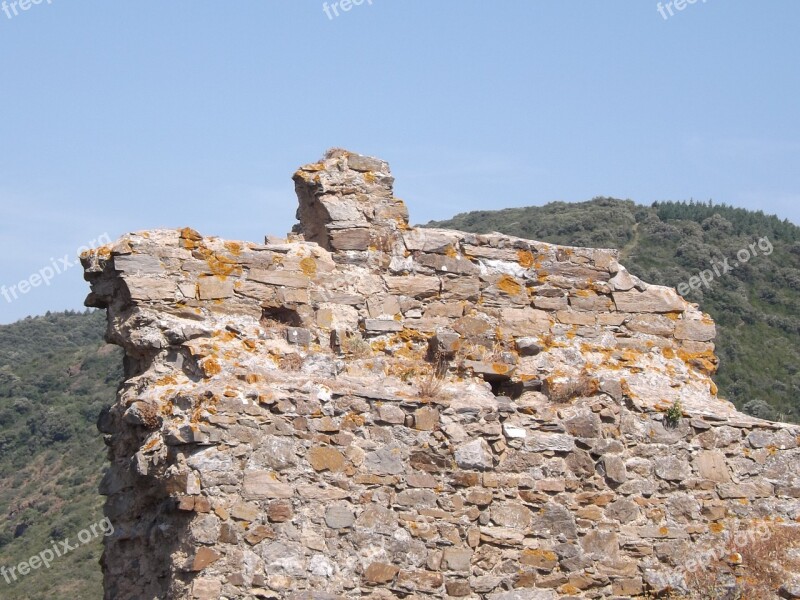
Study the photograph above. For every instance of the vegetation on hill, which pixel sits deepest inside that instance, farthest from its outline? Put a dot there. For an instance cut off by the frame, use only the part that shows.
(756, 304)
(56, 374)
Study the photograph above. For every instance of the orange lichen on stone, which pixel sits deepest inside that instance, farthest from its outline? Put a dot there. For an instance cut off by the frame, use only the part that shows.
(221, 265)
(525, 258)
(234, 248)
(211, 367)
(716, 527)
(353, 421)
(189, 237)
(509, 285)
(568, 589)
(309, 266)
(225, 336)
(705, 362)
(167, 380)
(151, 444)
(411, 335)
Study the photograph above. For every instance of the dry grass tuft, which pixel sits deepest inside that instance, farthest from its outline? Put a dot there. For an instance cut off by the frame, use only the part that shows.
(582, 385)
(762, 559)
(356, 346)
(432, 384)
(290, 362)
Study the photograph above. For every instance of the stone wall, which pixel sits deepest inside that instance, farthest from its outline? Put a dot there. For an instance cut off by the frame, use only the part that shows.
(371, 410)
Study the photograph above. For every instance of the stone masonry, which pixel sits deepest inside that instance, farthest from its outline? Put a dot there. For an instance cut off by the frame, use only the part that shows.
(372, 410)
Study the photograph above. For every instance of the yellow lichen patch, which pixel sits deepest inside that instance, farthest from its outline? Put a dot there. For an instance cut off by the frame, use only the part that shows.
(229, 393)
(626, 389)
(716, 527)
(674, 315)
(378, 346)
(234, 248)
(713, 388)
(450, 251)
(411, 335)
(211, 367)
(225, 336)
(103, 252)
(509, 285)
(151, 444)
(353, 421)
(663, 531)
(249, 344)
(253, 378)
(538, 553)
(628, 356)
(408, 351)
(222, 266)
(668, 352)
(582, 293)
(500, 368)
(309, 266)
(705, 362)
(167, 380)
(369, 177)
(568, 589)
(190, 238)
(525, 258)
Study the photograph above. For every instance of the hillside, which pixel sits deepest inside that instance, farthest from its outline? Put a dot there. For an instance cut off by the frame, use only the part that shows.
(756, 305)
(56, 374)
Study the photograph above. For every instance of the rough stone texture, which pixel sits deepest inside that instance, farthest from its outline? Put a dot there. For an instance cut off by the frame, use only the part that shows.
(368, 410)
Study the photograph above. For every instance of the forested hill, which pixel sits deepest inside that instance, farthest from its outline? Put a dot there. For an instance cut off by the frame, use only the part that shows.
(56, 375)
(755, 302)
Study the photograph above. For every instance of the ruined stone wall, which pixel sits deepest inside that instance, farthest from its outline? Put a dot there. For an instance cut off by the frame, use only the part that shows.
(371, 410)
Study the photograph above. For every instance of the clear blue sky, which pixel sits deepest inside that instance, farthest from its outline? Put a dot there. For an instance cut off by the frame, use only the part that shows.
(121, 116)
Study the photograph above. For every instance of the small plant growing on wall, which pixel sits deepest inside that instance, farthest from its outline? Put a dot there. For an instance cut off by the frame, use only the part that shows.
(674, 414)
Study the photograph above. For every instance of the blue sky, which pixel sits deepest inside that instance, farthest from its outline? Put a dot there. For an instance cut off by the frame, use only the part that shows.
(121, 116)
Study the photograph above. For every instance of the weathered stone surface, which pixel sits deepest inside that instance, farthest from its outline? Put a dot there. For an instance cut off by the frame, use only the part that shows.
(415, 286)
(214, 288)
(380, 573)
(339, 516)
(373, 410)
(475, 454)
(557, 442)
(655, 299)
(698, 330)
(262, 484)
(711, 465)
(325, 459)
